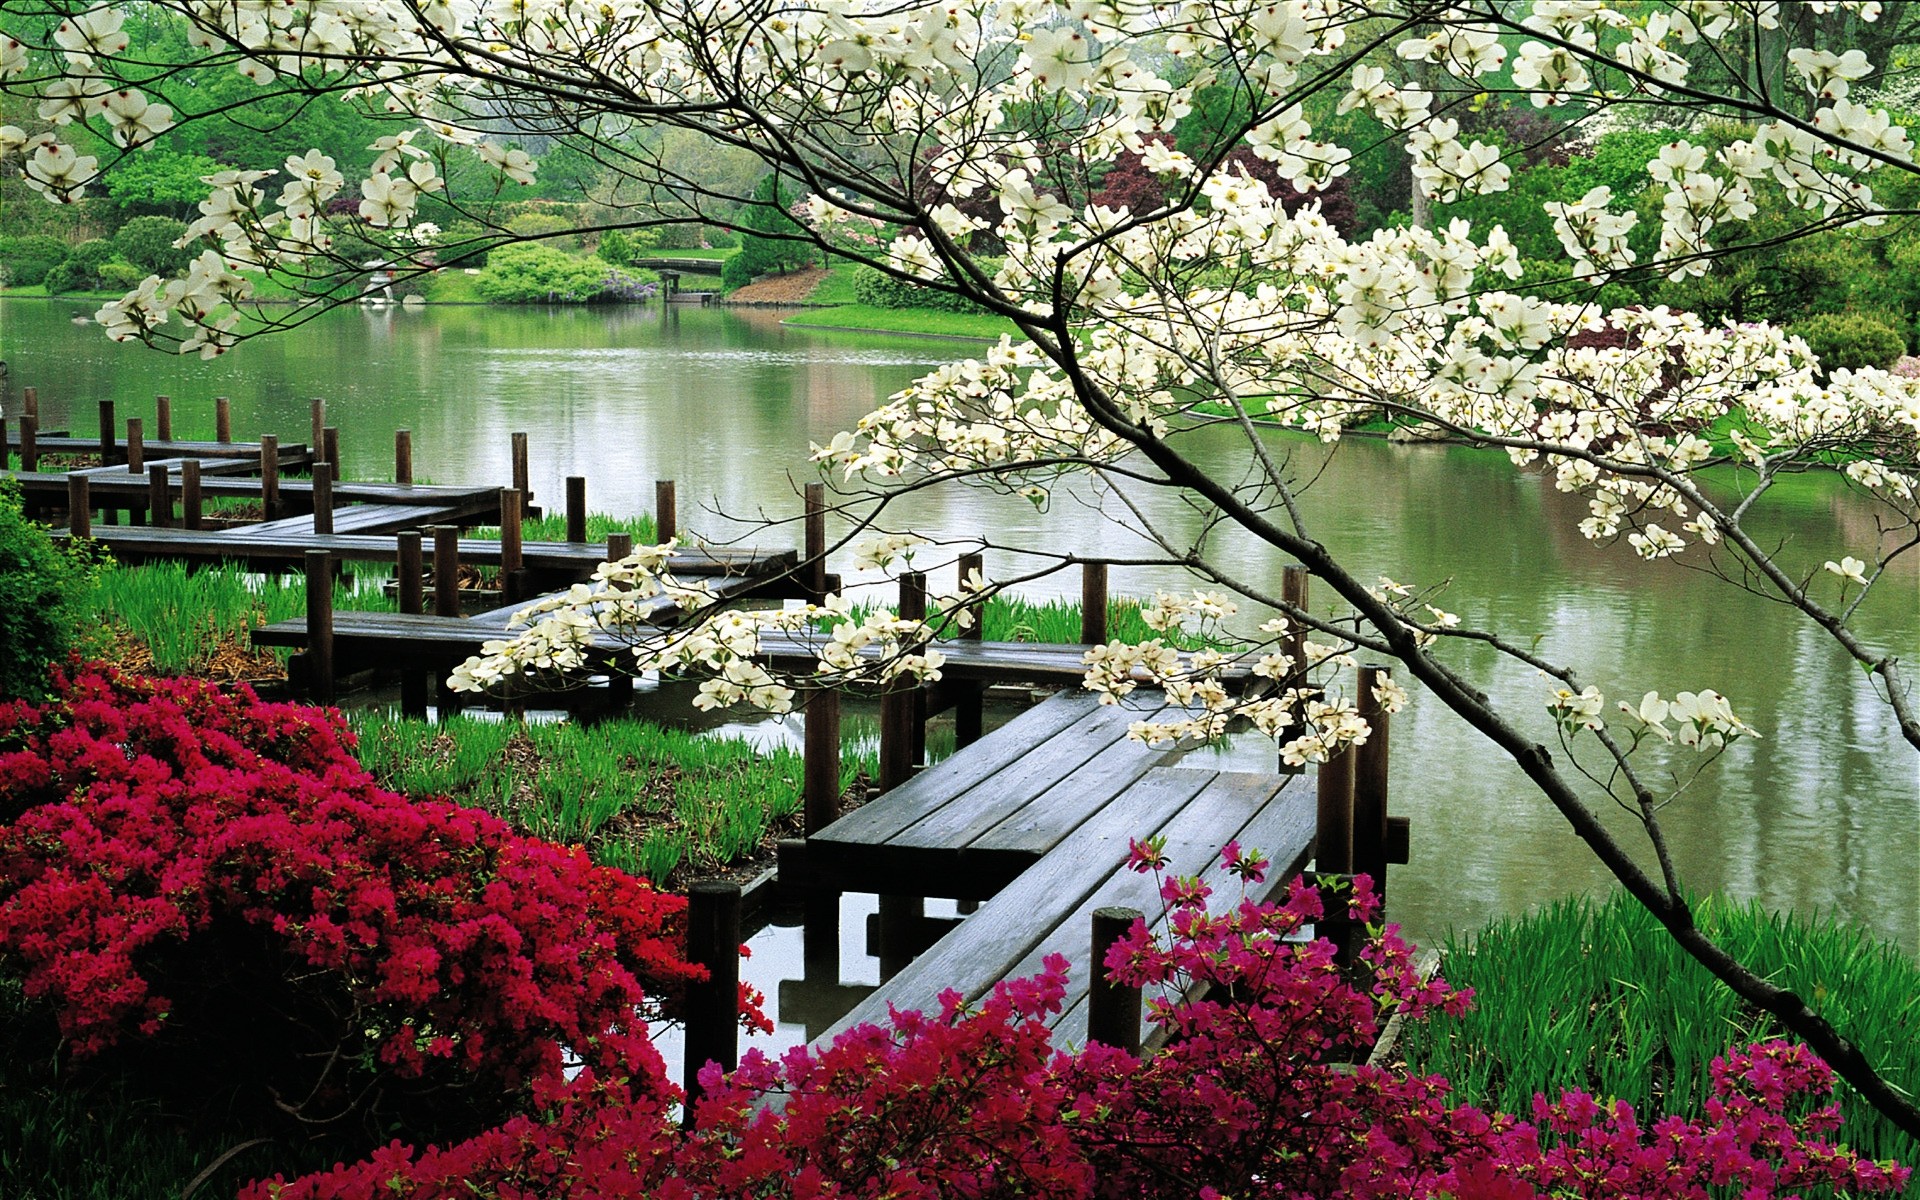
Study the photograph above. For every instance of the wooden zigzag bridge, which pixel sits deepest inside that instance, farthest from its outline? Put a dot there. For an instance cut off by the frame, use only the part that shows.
(1027, 826)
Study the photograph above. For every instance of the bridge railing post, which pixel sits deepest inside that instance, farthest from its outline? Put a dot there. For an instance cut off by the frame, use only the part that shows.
(1113, 1010)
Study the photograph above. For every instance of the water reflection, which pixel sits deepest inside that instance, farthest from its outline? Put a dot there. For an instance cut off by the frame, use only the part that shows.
(1823, 812)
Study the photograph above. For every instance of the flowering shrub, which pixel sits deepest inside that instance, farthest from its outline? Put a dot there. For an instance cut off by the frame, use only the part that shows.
(1253, 1096)
(213, 882)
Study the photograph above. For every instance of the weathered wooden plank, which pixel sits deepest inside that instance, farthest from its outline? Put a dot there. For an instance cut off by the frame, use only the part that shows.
(149, 542)
(1091, 757)
(291, 453)
(353, 519)
(1279, 822)
(1282, 828)
(992, 940)
(944, 781)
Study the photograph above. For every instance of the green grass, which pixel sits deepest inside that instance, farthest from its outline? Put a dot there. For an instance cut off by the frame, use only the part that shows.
(184, 617)
(1598, 997)
(1057, 622)
(835, 287)
(868, 319)
(717, 255)
(553, 528)
(642, 798)
(452, 286)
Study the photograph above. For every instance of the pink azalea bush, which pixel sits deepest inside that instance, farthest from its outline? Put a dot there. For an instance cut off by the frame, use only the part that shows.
(1255, 1094)
(211, 888)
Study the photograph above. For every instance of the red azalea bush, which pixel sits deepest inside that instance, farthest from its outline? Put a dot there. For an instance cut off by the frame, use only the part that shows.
(210, 887)
(1254, 1096)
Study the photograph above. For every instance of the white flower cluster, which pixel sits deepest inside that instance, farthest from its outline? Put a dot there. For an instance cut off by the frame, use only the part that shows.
(727, 650)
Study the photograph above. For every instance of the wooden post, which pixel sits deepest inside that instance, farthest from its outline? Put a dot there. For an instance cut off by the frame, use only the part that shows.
(713, 942)
(108, 452)
(403, 457)
(1093, 603)
(446, 570)
(1113, 1010)
(413, 679)
(315, 437)
(813, 564)
(30, 403)
(899, 926)
(969, 698)
(577, 508)
(1370, 783)
(896, 737)
(270, 476)
(323, 497)
(1293, 590)
(163, 418)
(6, 451)
(190, 515)
(1334, 846)
(79, 504)
(329, 448)
(320, 625)
(159, 497)
(136, 446)
(29, 442)
(222, 420)
(619, 545)
(522, 477)
(512, 561)
(666, 510)
(821, 762)
(913, 607)
(410, 565)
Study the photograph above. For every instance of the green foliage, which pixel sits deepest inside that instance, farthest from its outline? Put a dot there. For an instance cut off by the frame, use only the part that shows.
(622, 247)
(1597, 996)
(118, 276)
(552, 527)
(691, 235)
(537, 274)
(765, 248)
(80, 272)
(1852, 340)
(881, 290)
(160, 182)
(184, 618)
(148, 243)
(543, 225)
(25, 261)
(641, 798)
(43, 596)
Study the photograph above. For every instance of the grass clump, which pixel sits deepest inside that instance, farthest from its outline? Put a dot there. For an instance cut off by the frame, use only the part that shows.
(197, 622)
(552, 527)
(642, 798)
(1596, 996)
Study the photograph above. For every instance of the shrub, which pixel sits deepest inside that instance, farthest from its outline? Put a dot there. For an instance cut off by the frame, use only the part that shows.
(881, 290)
(535, 274)
(148, 243)
(209, 889)
(118, 276)
(769, 246)
(44, 592)
(543, 225)
(1851, 340)
(1254, 1095)
(26, 260)
(615, 247)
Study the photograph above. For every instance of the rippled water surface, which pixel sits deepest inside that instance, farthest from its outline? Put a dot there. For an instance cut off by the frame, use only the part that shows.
(1822, 812)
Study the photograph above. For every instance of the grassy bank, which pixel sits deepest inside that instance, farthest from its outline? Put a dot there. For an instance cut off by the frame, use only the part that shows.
(864, 318)
(648, 800)
(1597, 996)
(197, 622)
(552, 527)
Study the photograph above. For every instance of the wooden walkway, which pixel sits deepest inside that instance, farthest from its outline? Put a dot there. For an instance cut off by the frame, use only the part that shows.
(1049, 908)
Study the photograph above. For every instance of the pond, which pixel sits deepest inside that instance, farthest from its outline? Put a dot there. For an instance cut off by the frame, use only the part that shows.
(1820, 813)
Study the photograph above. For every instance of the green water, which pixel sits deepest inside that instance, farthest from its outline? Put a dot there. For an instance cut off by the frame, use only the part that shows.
(1822, 812)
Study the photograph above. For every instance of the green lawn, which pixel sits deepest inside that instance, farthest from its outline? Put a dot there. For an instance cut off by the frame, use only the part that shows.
(867, 319)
